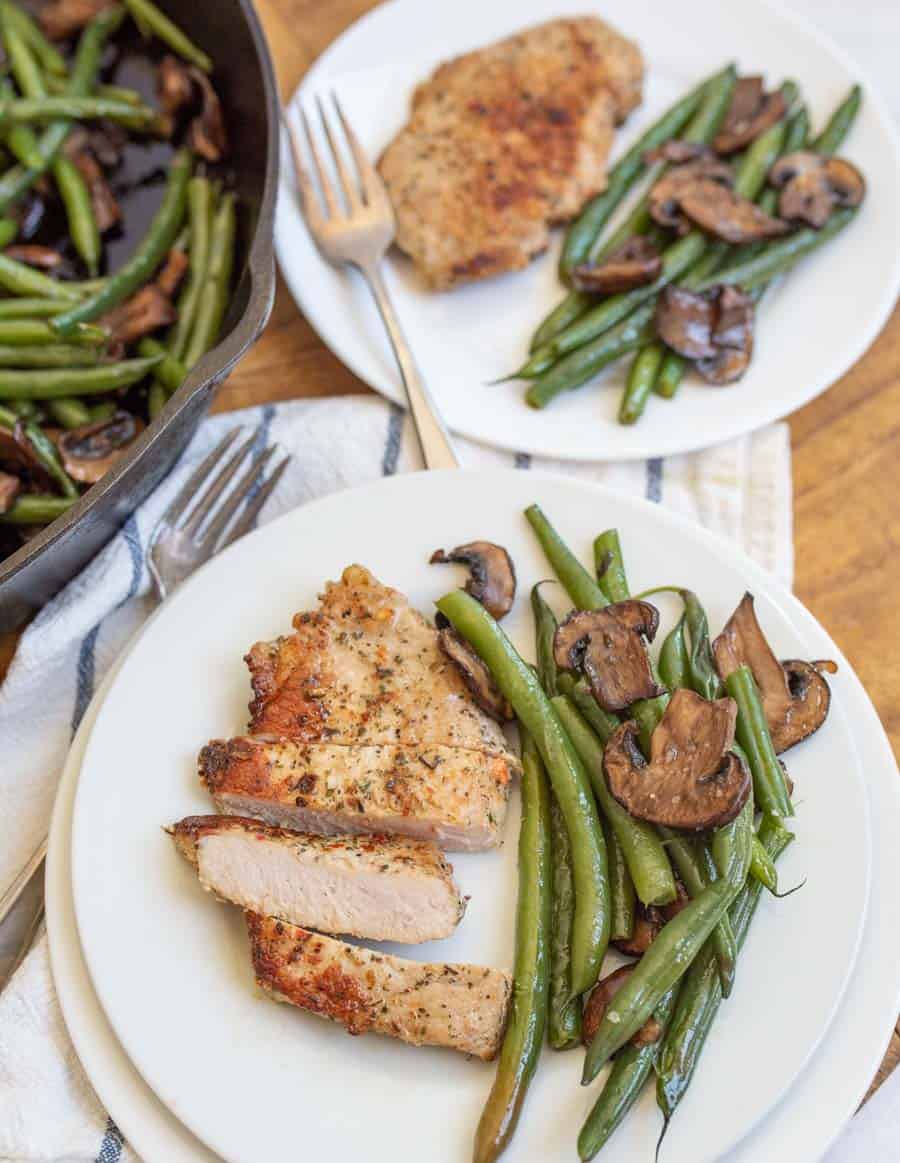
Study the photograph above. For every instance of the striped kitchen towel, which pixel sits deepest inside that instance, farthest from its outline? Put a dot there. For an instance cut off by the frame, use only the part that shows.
(741, 490)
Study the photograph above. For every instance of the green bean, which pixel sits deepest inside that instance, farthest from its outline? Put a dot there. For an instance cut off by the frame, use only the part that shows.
(602, 722)
(147, 16)
(583, 232)
(544, 630)
(20, 279)
(564, 1012)
(669, 956)
(762, 866)
(22, 144)
(156, 399)
(213, 297)
(752, 732)
(609, 565)
(28, 409)
(45, 451)
(701, 994)
(200, 199)
(35, 332)
(641, 846)
(70, 413)
(630, 1070)
(519, 683)
(621, 888)
(583, 364)
(62, 355)
(149, 254)
(832, 136)
(36, 509)
(50, 58)
(25, 110)
(53, 383)
(170, 372)
(25, 68)
(76, 198)
(524, 1035)
(23, 308)
(576, 580)
(641, 378)
(7, 417)
(104, 410)
(57, 87)
(674, 661)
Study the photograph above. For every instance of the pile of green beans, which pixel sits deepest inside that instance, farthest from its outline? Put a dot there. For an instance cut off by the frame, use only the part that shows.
(61, 365)
(594, 853)
(583, 335)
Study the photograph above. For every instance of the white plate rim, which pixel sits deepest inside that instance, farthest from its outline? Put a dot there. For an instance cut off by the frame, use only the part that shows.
(302, 289)
(714, 544)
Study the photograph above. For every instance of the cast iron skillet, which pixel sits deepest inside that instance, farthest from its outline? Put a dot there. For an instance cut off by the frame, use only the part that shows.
(230, 32)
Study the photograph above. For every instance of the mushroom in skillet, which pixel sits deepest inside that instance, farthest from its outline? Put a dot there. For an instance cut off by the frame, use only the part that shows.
(693, 780)
(91, 451)
(795, 696)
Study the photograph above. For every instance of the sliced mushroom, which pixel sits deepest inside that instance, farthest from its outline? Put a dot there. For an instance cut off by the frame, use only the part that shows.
(714, 328)
(598, 1003)
(608, 645)
(685, 322)
(10, 487)
(145, 312)
(172, 272)
(812, 186)
(795, 696)
(19, 458)
(665, 196)
(677, 152)
(751, 112)
(693, 779)
(476, 675)
(107, 211)
(206, 134)
(633, 264)
(724, 214)
(63, 18)
(649, 920)
(43, 257)
(174, 85)
(90, 451)
(492, 579)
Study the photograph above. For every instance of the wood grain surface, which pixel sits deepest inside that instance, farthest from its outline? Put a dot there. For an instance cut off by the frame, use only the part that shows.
(846, 444)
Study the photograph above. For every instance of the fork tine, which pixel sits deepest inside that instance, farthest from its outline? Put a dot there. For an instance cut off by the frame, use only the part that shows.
(216, 487)
(349, 186)
(309, 199)
(188, 492)
(372, 185)
(246, 522)
(324, 180)
(221, 519)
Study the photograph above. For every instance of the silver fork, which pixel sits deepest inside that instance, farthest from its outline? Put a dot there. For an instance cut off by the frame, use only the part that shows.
(355, 228)
(218, 504)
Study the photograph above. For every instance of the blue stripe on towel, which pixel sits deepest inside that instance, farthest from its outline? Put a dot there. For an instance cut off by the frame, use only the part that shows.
(394, 440)
(523, 460)
(654, 479)
(84, 676)
(111, 1147)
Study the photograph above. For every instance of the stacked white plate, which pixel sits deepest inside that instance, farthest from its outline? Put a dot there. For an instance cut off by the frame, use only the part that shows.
(154, 975)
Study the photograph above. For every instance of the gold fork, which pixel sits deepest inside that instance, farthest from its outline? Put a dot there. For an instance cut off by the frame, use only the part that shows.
(354, 228)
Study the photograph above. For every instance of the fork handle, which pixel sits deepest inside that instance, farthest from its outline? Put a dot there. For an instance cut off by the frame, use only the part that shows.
(437, 450)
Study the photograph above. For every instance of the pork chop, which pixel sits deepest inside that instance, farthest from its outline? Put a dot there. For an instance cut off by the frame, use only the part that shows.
(383, 888)
(503, 142)
(460, 1006)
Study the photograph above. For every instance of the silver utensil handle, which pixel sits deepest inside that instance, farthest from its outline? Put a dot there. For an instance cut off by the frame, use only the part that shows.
(17, 887)
(437, 450)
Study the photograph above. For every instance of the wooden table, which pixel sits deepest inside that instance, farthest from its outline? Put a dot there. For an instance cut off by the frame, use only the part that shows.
(846, 444)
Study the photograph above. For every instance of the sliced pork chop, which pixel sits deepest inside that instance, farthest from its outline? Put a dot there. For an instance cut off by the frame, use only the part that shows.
(454, 796)
(504, 141)
(460, 1006)
(383, 888)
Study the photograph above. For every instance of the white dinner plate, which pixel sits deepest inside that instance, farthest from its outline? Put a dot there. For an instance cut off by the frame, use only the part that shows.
(810, 329)
(167, 962)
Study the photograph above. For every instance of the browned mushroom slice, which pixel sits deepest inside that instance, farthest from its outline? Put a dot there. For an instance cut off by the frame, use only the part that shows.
(732, 336)
(795, 696)
(677, 152)
(685, 321)
(598, 1003)
(174, 85)
(634, 264)
(648, 921)
(103, 202)
(751, 112)
(724, 214)
(476, 675)
(692, 780)
(145, 312)
(206, 134)
(10, 487)
(19, 458)
(89, 452)
(492, 575)
(172, 272)
(43, 257)
(665, 196)
(608, 645)
(63, 18)
(812, 186)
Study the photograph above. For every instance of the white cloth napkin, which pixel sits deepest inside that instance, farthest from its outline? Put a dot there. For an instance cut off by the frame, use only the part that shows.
(48, 1112)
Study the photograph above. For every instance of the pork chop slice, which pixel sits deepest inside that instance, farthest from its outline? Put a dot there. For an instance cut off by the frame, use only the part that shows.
(426, 1004)
(504, 141)
(454, 796)
(380, 887)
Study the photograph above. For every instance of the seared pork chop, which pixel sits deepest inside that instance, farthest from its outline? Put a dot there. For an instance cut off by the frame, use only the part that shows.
(504, 141)
(455, 796)
(383, 888)
(460, 1006)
